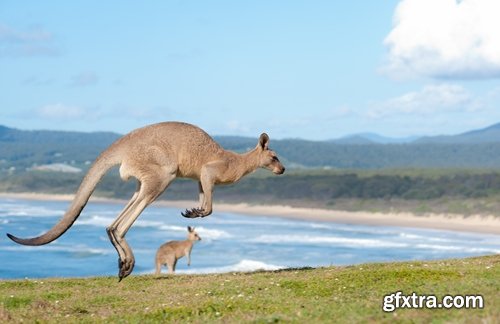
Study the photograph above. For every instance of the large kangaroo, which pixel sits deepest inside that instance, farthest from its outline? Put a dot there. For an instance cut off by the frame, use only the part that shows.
(155, 155)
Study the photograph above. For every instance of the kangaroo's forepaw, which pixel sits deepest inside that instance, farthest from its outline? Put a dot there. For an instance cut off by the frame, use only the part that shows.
(125, 268)
(193, 213)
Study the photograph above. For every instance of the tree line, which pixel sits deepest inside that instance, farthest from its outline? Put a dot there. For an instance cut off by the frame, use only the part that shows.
(321, 187)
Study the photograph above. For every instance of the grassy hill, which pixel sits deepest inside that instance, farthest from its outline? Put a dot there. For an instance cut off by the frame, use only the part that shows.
(331, 294)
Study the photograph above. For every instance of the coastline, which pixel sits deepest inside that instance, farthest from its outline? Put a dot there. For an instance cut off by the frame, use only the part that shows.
(477, 223)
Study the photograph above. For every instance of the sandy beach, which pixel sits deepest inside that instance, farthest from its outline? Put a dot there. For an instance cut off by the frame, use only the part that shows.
(476, 223)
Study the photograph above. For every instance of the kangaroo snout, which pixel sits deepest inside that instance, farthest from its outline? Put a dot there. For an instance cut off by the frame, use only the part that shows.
(279, 171)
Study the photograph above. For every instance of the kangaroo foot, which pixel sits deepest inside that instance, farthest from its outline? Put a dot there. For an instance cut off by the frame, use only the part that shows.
(125, 267)
(195, 212)
(126, 259)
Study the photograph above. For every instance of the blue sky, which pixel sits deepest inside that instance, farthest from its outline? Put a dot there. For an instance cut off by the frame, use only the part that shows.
(295, 69)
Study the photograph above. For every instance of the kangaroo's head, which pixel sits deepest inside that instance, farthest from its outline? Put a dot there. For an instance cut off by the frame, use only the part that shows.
(192, 235)
(268, 158)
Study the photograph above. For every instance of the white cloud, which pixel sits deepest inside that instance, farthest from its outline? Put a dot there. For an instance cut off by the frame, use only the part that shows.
(432, 99)
(445, 39)
(35, 41)
(60, 111)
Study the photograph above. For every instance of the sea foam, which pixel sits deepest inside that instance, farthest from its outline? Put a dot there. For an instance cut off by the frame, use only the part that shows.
(21, 210)
(242, 266)
(309, 239)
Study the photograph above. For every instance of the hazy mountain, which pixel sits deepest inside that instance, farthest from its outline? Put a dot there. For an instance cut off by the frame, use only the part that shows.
(358, 139)
(372, 138)
(489, 134)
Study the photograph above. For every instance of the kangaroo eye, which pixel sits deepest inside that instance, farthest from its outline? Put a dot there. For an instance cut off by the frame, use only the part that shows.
(275, 159)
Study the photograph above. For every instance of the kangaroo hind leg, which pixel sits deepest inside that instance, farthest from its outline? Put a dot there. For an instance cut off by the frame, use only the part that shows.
(158, 267)
(111, 232)
(172, 261)
(151, 186)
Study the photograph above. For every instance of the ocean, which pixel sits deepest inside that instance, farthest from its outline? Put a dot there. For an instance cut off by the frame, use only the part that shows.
(230, 242)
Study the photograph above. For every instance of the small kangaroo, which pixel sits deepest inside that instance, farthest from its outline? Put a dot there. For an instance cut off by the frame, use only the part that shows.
(155, 155)
(172, 251)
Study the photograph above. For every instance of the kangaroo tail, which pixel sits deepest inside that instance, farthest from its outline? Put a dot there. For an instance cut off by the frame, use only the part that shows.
(102, 164)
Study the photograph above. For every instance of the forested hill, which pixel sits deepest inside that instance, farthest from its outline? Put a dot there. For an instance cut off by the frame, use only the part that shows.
(22, 149)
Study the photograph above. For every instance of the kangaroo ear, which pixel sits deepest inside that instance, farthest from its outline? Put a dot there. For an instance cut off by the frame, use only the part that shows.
(264, 141)
(190, 229)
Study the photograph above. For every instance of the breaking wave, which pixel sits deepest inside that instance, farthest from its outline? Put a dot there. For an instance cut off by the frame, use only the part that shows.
(242, 266)
(20, 210)
(81, 250)
(427, 243)
(456, 248)
(205, 233)
(306, 239)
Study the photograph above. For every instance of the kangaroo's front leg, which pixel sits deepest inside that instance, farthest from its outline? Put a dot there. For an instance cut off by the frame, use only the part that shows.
(188, 256)
(196, 212)
(209, 174)
(201, 193)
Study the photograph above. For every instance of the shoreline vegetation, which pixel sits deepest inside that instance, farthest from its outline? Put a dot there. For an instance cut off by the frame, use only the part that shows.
(415, 191)
(487, 224)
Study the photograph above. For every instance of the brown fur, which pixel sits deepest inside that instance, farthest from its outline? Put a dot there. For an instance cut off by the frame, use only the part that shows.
(155, 155)
(170, 252)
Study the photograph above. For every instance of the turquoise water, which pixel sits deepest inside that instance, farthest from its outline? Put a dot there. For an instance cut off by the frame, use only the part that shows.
(230, 242)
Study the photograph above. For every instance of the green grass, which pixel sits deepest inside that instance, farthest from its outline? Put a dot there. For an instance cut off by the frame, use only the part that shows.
(331, 294)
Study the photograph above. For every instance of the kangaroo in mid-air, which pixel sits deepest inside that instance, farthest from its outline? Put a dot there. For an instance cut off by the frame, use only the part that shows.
(155, 155)
(172, 251)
